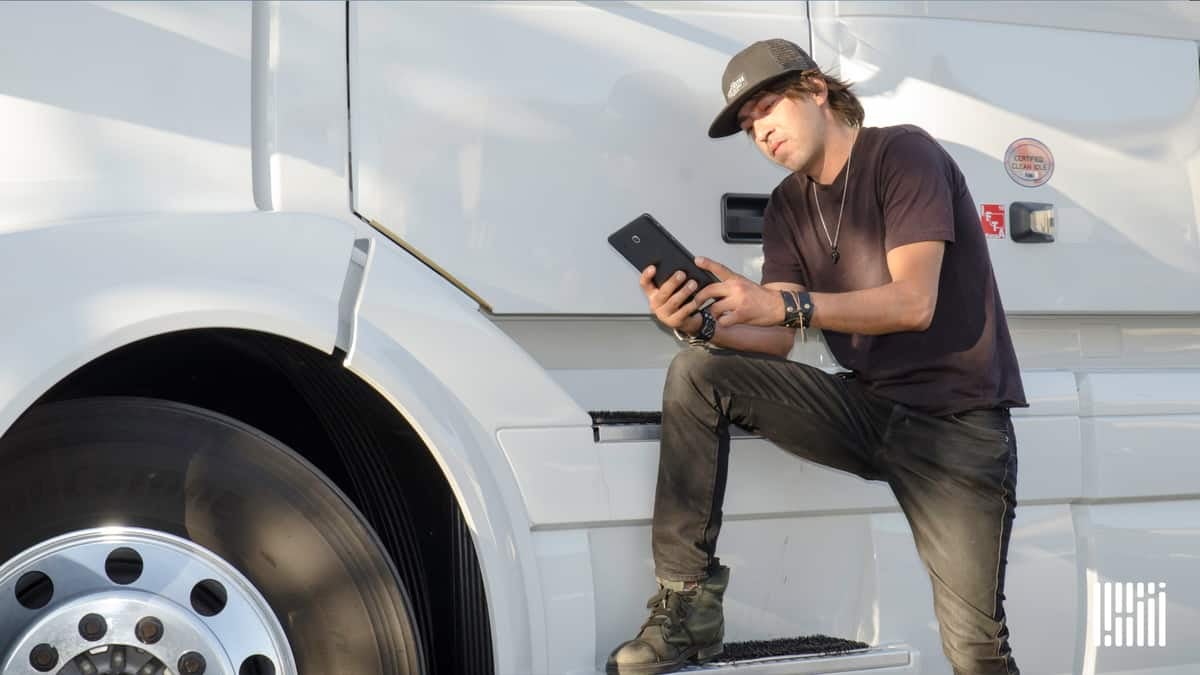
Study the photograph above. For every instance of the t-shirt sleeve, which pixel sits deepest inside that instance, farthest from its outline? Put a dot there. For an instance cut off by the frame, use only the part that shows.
(918, 202)
(781, 255)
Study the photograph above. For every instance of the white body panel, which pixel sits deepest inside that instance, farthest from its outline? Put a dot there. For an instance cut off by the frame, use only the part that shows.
(171, 166)
(113, 108)
(426, 348)
(622, 114)
(1126, 177)
(472, 103)
(75, 291)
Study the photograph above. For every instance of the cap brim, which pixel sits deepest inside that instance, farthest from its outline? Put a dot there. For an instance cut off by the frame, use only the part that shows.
(726, 123)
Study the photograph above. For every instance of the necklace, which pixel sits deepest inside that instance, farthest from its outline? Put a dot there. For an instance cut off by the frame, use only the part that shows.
(833, 253)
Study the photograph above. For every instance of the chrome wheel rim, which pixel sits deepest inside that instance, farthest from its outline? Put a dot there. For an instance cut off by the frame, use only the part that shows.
(117, 601)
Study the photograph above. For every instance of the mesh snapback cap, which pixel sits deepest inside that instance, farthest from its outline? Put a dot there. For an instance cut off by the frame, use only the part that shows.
(751, 69)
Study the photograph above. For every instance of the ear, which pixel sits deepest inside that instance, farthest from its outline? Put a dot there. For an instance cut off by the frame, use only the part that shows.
(820, 93)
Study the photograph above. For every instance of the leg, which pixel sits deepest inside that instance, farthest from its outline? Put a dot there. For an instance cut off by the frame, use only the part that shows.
(955, 478)
(805, 410)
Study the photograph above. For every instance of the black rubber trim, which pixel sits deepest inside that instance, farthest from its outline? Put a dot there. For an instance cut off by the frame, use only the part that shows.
(602, 417)
(807, 644)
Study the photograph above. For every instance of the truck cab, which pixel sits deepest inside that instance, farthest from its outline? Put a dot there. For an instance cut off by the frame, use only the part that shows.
(313, 301)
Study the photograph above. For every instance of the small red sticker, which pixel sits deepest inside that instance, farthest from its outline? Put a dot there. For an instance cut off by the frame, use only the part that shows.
(992, 220)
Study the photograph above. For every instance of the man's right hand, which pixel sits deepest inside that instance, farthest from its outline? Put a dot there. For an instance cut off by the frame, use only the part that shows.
(667, 301)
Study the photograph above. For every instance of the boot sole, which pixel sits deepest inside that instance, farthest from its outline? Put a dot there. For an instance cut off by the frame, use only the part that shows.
(702, 655)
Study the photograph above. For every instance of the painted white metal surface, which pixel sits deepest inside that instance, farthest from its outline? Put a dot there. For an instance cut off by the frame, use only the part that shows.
(197, 114)
(1159, 18)
(75, 291)
(1147, 542)
(425, 347)
(507, 140)
(113, 108)
(1126, 177)
(626, 135)
(301, 135)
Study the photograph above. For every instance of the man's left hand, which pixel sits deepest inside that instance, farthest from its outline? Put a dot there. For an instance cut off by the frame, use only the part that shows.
(739, 300)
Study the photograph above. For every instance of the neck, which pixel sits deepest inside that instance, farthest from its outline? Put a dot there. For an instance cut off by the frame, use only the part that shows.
(837, 151)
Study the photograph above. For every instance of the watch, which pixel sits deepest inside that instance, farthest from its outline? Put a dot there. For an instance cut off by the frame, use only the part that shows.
(708, 328)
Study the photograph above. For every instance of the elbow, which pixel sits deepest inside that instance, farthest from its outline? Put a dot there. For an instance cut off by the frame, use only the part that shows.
(923, 313)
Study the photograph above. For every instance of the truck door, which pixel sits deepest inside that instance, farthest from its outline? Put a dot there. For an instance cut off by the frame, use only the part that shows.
(506, 140)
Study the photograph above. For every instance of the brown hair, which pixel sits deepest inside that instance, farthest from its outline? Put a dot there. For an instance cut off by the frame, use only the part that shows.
(842, 101)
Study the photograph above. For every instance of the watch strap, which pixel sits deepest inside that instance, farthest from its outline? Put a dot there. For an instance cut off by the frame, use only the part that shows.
(791, 309)
(708, 328)
(804, 299)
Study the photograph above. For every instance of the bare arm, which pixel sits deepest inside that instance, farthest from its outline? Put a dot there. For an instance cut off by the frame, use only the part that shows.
(667, 304)
(905, 304)
(749, 314)
(774, 340)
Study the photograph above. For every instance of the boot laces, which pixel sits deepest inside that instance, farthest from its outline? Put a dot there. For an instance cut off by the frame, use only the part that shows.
(668, 607)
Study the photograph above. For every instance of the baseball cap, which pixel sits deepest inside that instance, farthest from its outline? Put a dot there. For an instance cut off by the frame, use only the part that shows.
(751, 69)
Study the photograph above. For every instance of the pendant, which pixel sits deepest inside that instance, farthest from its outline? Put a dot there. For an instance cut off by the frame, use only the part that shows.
(835, 255)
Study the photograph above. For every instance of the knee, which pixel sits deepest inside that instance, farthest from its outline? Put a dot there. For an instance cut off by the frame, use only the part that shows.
(691, 376)
(692, 372)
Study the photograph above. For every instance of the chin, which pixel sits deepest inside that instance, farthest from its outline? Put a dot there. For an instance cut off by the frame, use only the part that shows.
(792, 165)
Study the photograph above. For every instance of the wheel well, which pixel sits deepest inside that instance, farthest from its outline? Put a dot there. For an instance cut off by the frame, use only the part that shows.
(308, 400)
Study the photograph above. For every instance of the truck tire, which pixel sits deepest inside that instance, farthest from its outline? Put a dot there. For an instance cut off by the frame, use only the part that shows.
(140, 534)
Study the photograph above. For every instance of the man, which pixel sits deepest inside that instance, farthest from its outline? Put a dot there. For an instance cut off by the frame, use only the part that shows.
(873, 237)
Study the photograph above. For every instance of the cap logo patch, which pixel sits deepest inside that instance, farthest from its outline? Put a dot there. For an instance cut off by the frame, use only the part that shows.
(736, 86)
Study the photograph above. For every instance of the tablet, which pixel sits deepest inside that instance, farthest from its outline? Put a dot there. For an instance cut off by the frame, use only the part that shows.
(645, 242)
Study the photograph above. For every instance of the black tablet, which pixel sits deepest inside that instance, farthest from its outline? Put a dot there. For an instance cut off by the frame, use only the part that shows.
(645, 242)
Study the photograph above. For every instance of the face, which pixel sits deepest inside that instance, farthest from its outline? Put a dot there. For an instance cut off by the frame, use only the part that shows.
(789, 131)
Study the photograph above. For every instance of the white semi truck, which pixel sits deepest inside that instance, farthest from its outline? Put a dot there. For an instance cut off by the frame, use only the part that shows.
(317, 360)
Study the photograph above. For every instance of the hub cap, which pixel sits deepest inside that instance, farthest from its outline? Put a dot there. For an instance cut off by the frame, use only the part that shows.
(128, 601)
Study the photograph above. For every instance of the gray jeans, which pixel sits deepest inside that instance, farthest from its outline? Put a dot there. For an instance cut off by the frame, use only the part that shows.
(954, 477)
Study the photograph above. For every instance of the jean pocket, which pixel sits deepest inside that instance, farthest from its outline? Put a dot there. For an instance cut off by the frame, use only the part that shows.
(987, 423)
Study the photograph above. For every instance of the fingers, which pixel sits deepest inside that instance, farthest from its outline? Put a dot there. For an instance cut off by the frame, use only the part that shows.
(670, 302)
(647, 280)
(680, 317)
(723, 273)
(718, 290)
(723, 306)
(668, 289)
(679, 302)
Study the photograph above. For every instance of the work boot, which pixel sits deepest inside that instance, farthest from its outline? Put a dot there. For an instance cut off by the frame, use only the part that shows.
(686, 625)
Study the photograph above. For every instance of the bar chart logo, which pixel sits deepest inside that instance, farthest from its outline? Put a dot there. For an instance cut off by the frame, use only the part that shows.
(1131, 614)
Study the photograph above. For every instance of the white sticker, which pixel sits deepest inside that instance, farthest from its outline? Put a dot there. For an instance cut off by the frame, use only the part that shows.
(1028, 162)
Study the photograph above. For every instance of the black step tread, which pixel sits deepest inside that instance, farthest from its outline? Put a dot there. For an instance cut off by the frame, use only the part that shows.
(626, 417)
(794, 646)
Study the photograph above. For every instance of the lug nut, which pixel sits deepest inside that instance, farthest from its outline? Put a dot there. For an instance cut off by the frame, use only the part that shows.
(43, 658)
(191, 663)
(149, 630)
(92, 627)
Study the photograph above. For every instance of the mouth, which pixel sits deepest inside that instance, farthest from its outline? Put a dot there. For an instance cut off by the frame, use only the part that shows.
(775, 147)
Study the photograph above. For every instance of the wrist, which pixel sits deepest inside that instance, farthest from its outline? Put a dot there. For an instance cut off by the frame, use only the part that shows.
(780, 310)
(698, 329)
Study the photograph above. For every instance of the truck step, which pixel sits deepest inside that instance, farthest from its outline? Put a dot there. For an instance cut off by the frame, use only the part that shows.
(891, 659)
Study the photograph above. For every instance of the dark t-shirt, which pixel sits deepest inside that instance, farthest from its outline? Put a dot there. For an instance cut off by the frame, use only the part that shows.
(903, 188)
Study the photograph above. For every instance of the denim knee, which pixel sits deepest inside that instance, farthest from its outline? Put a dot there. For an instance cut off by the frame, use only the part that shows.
(691, 371)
